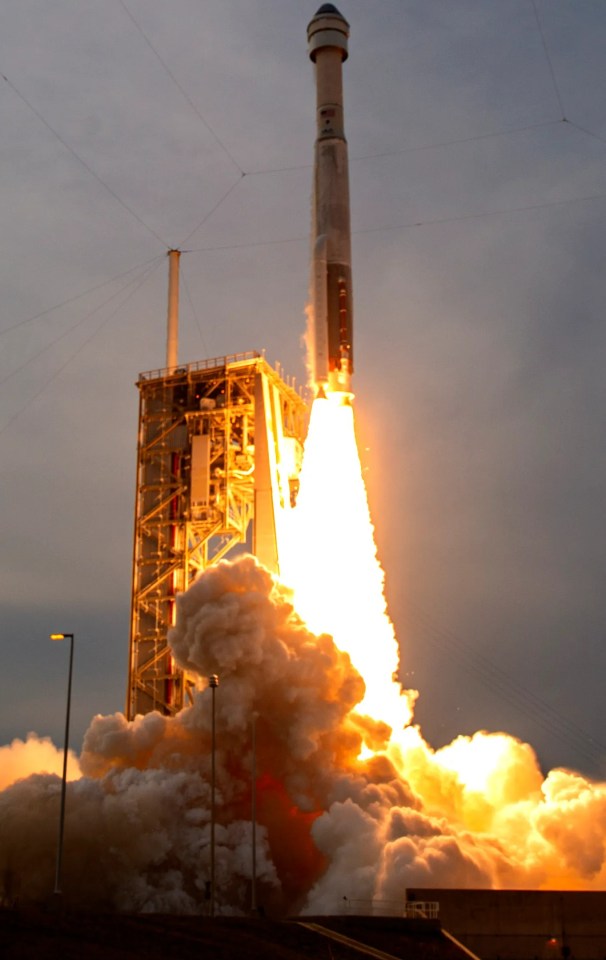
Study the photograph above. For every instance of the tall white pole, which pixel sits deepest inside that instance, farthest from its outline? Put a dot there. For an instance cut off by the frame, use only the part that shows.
(253, 815)
(172, 321)
(213, 683)
(59, 863)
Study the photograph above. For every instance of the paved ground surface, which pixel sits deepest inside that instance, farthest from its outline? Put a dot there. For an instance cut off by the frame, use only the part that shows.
(25, 935)
(412, 939)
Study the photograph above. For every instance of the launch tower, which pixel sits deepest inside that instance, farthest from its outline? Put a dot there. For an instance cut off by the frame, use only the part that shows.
(219, 452)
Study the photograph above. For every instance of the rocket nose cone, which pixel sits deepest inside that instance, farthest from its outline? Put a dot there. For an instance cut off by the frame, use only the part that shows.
(327, 8)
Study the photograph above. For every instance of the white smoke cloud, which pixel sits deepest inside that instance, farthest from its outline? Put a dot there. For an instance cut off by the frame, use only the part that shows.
(136, 840)
(332, 823)
(141, 812)
(35, 754)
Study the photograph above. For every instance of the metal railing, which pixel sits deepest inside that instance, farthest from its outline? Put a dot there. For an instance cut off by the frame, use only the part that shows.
(209, 364)
(411, 909)
(422, 909)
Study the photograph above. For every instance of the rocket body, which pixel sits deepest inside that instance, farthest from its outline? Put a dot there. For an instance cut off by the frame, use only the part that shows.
(331, 347)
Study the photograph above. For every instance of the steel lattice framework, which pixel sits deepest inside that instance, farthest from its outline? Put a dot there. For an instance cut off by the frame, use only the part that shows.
(219, 452)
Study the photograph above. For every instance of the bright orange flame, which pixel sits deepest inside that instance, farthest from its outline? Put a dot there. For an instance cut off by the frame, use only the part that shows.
(333, 566)
(475, 761)
(487, 790)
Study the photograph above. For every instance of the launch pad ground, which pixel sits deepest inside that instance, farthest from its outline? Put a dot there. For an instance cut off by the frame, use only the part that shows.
(81, 936)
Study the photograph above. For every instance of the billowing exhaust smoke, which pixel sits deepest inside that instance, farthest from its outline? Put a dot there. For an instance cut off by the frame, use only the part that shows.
(335, 818)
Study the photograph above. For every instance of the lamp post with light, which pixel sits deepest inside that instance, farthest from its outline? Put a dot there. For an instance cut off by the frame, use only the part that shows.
(70, 637)
(213, 683)
(253, 817)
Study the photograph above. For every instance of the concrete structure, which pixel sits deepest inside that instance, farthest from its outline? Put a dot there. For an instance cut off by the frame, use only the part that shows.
(523, 924)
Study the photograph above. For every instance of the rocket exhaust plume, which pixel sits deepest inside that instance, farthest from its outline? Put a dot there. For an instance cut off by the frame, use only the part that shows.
(351, 802)
(331, 561)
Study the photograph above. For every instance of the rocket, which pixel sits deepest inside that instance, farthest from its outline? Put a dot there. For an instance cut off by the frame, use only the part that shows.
(331, 334)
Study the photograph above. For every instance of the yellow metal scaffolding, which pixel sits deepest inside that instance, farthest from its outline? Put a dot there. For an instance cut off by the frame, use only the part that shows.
(219, 452)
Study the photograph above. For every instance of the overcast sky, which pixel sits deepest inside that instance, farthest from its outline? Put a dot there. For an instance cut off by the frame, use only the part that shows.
(479, 247)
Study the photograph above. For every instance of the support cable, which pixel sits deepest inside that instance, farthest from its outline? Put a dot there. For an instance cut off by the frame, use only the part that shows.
(252, 243)
(83, 162)
(409, 225)
(589, 133)
(417, 149)
(77, 296)
(71, 329)
(207, 215)
(549, 61)
(72, 356)
(195, 109)
(502, 683)
(488, 213)
(181, 90)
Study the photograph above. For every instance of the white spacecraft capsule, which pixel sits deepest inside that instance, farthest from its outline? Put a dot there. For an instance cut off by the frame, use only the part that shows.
(331, 349)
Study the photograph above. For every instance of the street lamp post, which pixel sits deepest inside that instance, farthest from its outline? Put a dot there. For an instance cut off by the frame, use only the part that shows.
(253, 816)
(64, 636)
(213, 683)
